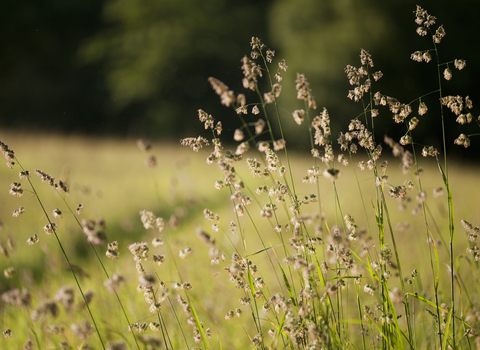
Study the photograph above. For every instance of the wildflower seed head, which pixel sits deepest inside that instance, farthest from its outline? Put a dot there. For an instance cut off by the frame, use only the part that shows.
(423, 18)
(139, 251)
(227, 96)
(148, 219)
(303, 91)
(194, 143)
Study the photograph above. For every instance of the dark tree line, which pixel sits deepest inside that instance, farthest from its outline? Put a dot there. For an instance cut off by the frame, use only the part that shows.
(137, 67)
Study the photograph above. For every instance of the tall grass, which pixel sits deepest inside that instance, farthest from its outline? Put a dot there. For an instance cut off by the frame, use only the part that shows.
(339, 249)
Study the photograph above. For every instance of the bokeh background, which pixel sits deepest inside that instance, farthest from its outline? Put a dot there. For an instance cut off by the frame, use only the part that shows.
(137, 68)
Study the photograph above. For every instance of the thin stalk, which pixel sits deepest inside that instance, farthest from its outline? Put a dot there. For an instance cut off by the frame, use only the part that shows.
(450, 202)
(104, 270)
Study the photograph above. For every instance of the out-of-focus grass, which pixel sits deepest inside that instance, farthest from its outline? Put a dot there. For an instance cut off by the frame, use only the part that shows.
(109, 177)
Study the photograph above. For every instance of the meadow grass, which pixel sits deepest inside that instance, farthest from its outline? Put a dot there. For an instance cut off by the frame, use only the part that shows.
(364, 244)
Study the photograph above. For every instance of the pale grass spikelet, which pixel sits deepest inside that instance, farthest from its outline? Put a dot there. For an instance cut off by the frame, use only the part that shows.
(439, 35)
(7, 333)
(183, 253)
(238, 135)
(57, 213)
(460, 64)
(50, 228)
(155, 307)
(242, 148)
(332, 174)
(94, 230)
(24, 174)
(79, 209)
(298, 116)
(429, 151)
(276, 90)
(17, 212)
(422, 108)
(397, 192)
(229, 315)
(144, 145)
(66, 296)
(417, 56)
(250, 71)
(263, 146)
(118, 344)
(259, 126)
(369, 289)
(279, 144)
(447, 74)
(32, 240)
(227, 96)
(113, 246)
(406, 140)
(148, 219)
(462, 140)
(194, 143)
(242, 110)
(151, 162)
(146, 280)
(9, 272)
(269, 97)
(157, 242)
(438, 192)
(139, 251)
(412, 123)
(303, 91)
(16, 189)
(423, 18)
(158, 259)
(112, 254)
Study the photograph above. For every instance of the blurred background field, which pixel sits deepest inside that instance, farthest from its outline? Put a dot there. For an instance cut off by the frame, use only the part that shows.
(109, 177)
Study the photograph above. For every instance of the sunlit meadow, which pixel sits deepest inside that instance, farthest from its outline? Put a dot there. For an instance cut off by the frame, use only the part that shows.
(355, 243)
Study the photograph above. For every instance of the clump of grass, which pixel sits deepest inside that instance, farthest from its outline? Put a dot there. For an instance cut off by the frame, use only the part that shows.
(302, 259)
